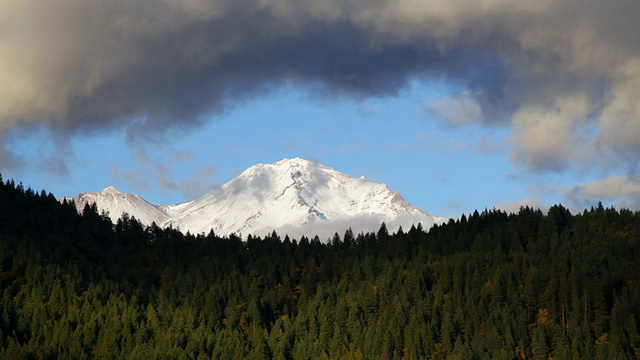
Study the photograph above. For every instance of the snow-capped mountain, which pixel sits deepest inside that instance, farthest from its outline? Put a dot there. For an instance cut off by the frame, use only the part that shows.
(292, 196)
(115, 203)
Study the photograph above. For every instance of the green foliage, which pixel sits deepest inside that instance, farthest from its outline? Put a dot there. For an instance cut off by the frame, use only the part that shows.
(488, 286)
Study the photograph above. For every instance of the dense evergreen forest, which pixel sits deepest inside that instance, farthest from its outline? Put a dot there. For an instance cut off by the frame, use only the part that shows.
(490, 285)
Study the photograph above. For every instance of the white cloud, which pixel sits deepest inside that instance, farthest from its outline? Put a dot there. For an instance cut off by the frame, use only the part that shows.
(544, 138)
(619, 191)
(150, 170)
(515, 205)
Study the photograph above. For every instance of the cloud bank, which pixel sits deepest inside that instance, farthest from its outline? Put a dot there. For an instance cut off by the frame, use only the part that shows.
(623, 191)
(564, 75)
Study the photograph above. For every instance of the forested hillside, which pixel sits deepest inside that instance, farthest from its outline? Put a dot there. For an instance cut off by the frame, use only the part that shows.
(488, 286)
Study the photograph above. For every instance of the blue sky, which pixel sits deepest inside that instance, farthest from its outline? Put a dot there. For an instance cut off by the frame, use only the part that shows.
(442, 168)
(458, 105)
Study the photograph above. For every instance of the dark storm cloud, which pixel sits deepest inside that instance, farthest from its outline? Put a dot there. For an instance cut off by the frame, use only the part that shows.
(563, 74)
(90, 65)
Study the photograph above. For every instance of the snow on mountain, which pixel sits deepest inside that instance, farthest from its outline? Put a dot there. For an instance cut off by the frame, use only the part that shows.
(292, 196)
(115, 203)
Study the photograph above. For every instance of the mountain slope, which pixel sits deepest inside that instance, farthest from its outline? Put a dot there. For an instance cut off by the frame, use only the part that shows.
(115, 203)
(292, 196)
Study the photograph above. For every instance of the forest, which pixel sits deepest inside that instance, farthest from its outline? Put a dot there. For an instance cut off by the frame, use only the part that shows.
(489, 285)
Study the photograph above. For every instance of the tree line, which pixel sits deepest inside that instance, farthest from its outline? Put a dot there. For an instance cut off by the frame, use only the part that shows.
(490, 285)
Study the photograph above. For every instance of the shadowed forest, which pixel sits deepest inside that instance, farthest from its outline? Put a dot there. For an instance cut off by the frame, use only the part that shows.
(490, 285)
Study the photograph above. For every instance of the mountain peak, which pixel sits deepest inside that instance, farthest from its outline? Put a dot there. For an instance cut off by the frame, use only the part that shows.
(282, 172)
(110, 190)
(297, 196)
(293, 196)
(116, 203)
(285, 165)
(295, 160)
